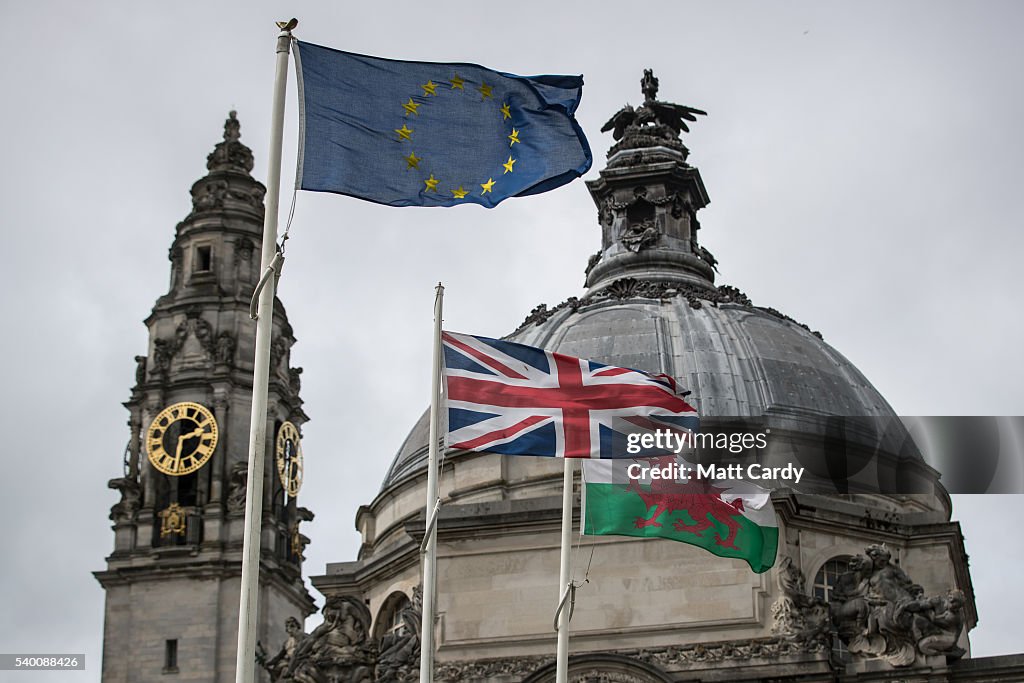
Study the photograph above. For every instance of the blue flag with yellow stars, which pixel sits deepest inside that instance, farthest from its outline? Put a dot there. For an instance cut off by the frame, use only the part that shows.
(430, 134)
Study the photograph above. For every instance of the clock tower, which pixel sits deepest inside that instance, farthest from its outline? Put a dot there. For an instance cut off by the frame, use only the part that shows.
(172, 581)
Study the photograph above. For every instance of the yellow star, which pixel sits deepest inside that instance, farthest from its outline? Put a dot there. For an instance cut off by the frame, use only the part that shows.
(509, 164)
(431, 183)
(485, 91)
(410, 107)
(488, 186)
(514, 137)
(404, 133)
(505, 112)
(413, 161)
(460, 193)
(429, 88)
(457, 82)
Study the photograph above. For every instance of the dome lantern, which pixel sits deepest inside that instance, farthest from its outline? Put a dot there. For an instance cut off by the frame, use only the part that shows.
(648, 197)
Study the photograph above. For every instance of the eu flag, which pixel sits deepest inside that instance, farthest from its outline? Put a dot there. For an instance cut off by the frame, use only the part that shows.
(432, 134)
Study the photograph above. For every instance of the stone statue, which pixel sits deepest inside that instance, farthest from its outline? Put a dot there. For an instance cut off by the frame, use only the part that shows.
(939, 633)
(653, 123)
(131, 498)
(850, 599)
(225, 348)
(398, 661)
(591, 263)
(295, 379)
(163, 351)
(798, 617)
(140, 370)
(236, 487)
(278, 664)
(879, 611)
(706, 256)
(649, 85)
(339, 649)
(641, 235)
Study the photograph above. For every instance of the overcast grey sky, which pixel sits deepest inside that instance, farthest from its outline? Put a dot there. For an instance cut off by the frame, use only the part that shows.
(863, 160)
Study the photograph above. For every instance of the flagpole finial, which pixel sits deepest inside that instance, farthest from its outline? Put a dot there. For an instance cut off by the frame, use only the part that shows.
(287, 26)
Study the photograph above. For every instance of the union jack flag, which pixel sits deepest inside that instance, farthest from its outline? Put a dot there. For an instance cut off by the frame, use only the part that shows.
(514, 399)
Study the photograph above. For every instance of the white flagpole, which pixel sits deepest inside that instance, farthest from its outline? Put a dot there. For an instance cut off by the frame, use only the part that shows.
(562, 652)
(245, 656)
(429, 547)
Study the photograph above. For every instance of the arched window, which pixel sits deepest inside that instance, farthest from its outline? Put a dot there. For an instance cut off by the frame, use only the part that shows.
(825, 579)
(389, 618)
(824, 583)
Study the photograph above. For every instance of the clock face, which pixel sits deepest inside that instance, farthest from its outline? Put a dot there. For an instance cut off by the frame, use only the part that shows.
(289, 459)
(181, 438)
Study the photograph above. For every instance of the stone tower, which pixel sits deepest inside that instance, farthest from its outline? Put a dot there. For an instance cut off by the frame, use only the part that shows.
(172, 582)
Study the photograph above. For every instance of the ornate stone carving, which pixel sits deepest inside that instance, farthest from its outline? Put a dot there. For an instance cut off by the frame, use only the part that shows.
(538, 315)
(131, 499)
(236, 488)
(606, 212)
(591, 262)
(251, 196)
(629, 288)
(163, 351)
(680, 206)
(244, 248)
(661, 657)
(295, 379)
(200, 329)
(297, 543)
(278, 351)
(339, 649)
(490, 668)
(297, 540)
(176, 257)
(209, 195)
(703, 254)
(598, 676)
(226, 348)
(230, 154)
(652, 124)
(172, 521)
(797, 616)
(639, 236)
(140, 370)
(279, 663)
(399, 651)
(937, 624)
(879, 612)
(741, 650)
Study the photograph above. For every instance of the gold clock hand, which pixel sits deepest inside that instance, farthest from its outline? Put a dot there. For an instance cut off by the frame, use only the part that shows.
(177, 454)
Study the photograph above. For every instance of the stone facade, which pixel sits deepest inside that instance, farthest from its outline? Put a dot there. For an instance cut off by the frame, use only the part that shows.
(184, 587)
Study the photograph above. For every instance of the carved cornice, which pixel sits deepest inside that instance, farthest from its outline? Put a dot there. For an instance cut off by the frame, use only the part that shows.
(666, 657)
(632, 288)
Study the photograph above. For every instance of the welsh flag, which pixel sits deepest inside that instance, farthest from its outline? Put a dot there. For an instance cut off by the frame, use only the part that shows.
(730, 518)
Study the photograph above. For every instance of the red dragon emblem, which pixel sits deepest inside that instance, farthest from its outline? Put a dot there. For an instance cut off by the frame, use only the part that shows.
(698, 498)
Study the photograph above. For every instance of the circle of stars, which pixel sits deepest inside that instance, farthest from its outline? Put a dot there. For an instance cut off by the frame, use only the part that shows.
(412, 161)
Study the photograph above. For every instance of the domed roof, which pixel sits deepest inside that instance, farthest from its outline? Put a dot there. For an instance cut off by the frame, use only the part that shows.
(652, 305)
(737, 359)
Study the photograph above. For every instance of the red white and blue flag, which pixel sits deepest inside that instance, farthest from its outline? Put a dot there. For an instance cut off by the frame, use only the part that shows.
(514, 399)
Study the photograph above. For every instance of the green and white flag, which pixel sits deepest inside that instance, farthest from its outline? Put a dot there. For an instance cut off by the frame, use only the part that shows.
(665, 498)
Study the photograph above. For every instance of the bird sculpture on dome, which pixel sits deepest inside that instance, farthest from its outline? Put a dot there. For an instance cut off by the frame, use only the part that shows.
(654, 122)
